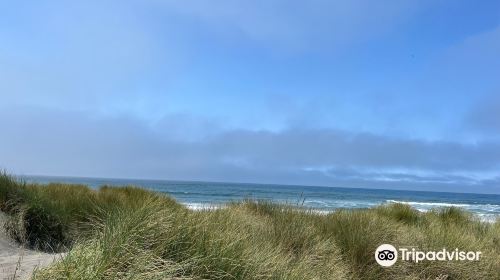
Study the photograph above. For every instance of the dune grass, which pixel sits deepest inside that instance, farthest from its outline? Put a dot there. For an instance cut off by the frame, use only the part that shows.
(131, 233)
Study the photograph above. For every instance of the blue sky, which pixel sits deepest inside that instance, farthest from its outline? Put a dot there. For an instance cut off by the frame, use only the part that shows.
(386, 94)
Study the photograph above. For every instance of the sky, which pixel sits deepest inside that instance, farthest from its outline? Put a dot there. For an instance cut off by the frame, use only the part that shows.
(393, 94)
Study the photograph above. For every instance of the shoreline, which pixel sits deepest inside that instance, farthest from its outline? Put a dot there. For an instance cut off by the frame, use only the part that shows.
(483, 217)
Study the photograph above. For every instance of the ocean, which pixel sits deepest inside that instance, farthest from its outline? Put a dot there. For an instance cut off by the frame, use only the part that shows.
(199, 195)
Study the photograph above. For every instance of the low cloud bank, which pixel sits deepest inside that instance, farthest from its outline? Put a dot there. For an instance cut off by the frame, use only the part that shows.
(67, 143)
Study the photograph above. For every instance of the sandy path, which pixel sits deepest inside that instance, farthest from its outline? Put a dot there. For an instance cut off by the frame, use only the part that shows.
(17, 262)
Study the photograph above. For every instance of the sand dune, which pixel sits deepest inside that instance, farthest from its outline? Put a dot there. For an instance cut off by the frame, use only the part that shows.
(17, 262)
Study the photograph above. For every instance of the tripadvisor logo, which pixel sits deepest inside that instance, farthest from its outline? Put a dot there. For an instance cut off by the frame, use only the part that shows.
(386, 255)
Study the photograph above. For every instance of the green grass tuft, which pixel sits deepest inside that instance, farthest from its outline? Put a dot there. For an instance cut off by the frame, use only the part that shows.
(131, 233)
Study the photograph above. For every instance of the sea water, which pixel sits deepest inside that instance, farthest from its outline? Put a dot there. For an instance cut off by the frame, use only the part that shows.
(197, 195)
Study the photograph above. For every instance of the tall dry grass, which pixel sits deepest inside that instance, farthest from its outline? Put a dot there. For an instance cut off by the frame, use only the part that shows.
(130, 233)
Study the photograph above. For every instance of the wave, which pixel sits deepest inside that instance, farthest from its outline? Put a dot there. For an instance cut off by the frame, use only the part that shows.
(485, 212)
(424, 207)
(202, 206)
(431, 204)
(492, 208)
(490, 218)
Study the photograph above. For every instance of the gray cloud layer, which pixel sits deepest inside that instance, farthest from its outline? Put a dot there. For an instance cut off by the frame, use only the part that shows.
(49, 142)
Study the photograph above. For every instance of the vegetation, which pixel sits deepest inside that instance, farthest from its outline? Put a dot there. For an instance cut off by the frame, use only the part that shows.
(130, 233)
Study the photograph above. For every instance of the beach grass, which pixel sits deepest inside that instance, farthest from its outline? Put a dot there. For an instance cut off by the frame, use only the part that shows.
(132, 233)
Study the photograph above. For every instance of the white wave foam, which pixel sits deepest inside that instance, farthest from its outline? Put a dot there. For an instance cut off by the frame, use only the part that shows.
(202, 206)
(490, 218)
(491, 215)
(477, 209)
(335, 204)
(431, 204)
(322, 212)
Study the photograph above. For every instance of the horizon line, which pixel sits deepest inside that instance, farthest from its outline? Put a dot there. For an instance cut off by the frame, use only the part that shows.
(246, 183)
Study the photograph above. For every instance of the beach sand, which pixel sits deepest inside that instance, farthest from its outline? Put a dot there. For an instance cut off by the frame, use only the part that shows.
(17, 262)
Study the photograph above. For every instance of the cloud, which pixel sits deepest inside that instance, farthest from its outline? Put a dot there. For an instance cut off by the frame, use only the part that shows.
(467, 68)
(49, 142)
(90, 54)
(484, 118)
(479, 52)
(466, 79)
(298, 25)
(455, 93)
